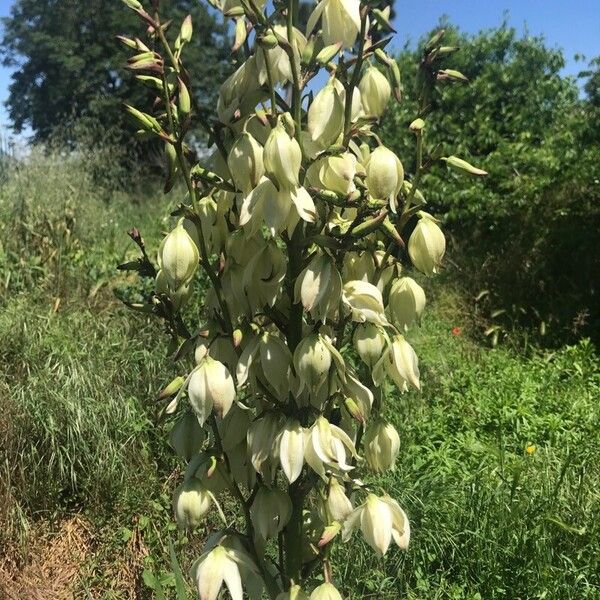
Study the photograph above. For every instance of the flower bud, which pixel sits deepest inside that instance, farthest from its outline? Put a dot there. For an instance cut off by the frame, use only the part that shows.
(426, 245)
(385, 175)
(179, 257)
(337, 173)
(375, 91)
(326, 591)
(406, 303)
(370, 342)
(210, 388)
(191, 502)
(319, 288)
(187, 436)
(326, 116)
(338, 504)
(381, 446)
(245, 162)
(282, 157)
(270, 511)
(340, 23)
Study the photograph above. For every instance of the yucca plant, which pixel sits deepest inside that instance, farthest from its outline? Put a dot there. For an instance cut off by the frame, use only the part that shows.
(299, 220)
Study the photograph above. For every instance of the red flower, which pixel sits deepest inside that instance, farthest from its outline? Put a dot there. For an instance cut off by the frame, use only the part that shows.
(456, 330)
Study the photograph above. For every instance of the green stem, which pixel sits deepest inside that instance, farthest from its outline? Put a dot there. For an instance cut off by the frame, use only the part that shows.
(354, 79)
(296, 91)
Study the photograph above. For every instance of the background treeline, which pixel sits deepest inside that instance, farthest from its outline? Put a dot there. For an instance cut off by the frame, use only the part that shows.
(526, 236)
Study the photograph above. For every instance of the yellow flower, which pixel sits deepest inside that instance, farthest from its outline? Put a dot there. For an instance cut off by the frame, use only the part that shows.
(531, 449)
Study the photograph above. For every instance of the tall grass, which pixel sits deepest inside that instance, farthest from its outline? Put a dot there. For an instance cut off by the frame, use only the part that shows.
(499, 468)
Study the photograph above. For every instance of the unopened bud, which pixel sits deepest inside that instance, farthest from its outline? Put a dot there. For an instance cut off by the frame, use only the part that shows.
(406, 303)
(185, 33)
(191, 502)
(381, 446)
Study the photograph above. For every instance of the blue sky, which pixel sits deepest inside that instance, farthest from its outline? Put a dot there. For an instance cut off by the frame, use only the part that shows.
(573, 26)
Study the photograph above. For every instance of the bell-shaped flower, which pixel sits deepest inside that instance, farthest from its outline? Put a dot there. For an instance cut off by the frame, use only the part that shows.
(399, 362)
(370, 341)
(210, 387)
(245, 162)
(291, 449)
(234, 427)
(380, 520)
(268, 358)
(326, 591)
(340, 21)
(328, 446)
(358, 398)
(282, 157)
(319, 287)
(179, 256)
(381, 446)
(326, 116)
(264, 275)
(358, 266)
(191, 503)
(338, 504)
(262, 440)
(313, 358)
(270, 511)
(224, 563)
(364, 301)
(356, 110)
(375, 91)
(266, 205)
(406, 303)
(427, 245)
(385, 176)
(187, 436)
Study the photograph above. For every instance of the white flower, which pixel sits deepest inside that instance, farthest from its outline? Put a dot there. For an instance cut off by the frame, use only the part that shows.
(210, 388)
(319, 288)
(270, 511)
(327, 446)
(282, 157)
(191, 502)
(370, 342)
(399, 362)
(375, 91)
(385, 175)
(380, 520)
(340, 23)
(364, 302)
(338, 504)
(245, 162)
(291, 449)
(406, 303)
(326, 591)
(427, 245)
(381, 446)
(326, 116)
(179, 256)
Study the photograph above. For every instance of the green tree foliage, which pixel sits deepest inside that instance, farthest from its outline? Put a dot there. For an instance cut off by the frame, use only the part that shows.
(68, 64)
(532, 224)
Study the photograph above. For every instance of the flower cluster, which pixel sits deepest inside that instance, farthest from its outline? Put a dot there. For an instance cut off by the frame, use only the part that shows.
(304, 224)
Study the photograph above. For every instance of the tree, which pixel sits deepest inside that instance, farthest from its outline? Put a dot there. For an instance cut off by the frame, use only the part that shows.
(68, 64)
(520, 119)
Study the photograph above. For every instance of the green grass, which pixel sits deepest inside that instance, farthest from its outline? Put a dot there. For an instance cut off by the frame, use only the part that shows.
(79, 431)
(491, 520)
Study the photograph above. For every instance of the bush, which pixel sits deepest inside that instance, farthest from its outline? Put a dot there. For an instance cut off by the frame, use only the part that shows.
(529, 230)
